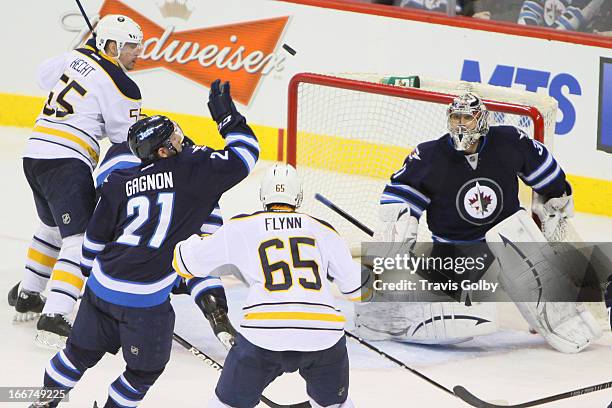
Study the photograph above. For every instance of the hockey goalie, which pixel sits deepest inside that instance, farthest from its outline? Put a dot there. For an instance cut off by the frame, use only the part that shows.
(467, 182)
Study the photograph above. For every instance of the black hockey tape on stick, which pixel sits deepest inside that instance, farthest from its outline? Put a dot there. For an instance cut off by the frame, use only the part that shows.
(93, 34)
(474, 401)
(344, 214)
(217, 366)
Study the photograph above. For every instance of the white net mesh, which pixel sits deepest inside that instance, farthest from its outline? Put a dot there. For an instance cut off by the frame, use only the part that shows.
(350, 141)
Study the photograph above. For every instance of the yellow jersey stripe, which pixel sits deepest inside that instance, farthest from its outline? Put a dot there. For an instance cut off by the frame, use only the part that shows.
(325, 317)
(175, 265)
(364, 296)
(68, 136)
(41, 258)
(68, 278)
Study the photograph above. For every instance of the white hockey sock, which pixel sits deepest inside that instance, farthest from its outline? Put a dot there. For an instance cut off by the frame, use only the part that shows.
(42, 254)
(66, 279)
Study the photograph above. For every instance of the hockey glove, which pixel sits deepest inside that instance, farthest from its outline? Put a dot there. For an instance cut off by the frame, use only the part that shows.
(180, 288)
(222, 108)
(553, 215)
(214, 306)
(397, 225)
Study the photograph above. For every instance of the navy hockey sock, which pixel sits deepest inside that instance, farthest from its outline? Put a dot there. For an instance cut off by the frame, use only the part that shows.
(130, 388)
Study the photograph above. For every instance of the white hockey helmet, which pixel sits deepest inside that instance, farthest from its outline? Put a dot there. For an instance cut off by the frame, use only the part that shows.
(467, 120)
(281, 185)
(118, 28)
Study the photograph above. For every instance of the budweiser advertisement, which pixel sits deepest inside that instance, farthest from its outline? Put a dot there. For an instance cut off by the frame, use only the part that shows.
(242, 52)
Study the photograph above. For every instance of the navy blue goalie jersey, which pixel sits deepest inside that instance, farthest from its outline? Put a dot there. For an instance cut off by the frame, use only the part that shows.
(144, 211)
(466, 195)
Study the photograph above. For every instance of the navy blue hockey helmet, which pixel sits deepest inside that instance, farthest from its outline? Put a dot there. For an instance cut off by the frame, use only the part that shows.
(149, 134)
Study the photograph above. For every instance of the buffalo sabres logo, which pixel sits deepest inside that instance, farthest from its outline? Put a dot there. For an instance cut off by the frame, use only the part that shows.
(480, 201)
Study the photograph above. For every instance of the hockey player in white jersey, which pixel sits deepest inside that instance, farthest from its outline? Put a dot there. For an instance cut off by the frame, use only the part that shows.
(290, 319)
(90, 97)
(467, 181)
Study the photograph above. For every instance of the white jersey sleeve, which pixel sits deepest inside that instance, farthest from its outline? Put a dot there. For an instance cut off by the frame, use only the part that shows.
(50, 71)
(198, 255)
(345, 272)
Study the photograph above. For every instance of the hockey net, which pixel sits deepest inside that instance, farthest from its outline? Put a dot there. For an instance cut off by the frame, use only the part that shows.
(348, 133)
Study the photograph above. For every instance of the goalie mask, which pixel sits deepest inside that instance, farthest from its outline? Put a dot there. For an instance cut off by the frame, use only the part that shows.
(467, 120)
(118, 28)
(281, 185)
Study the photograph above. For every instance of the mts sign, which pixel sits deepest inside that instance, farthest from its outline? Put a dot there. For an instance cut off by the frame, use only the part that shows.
(559, 85)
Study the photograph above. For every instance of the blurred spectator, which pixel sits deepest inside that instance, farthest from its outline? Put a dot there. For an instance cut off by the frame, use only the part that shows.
(592, 16)
(506, 10)
(429, 5)
(574, 15)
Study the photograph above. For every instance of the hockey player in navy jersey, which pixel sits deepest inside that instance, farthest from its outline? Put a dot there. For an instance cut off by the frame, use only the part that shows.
(204, 291)
(142, 213)
(90, 97)
(291, 321)
(467, 182)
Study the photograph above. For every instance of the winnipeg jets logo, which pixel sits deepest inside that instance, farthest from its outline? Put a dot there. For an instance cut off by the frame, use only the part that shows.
(480, 201)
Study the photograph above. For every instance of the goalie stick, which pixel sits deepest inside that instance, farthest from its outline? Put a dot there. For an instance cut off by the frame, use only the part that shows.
(217, 366)
(458, 390)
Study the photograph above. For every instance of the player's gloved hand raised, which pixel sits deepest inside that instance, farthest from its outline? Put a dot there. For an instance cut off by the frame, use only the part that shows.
(222, 108)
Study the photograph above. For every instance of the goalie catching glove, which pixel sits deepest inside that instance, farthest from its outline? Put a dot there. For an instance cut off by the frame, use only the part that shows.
(222, 108)
(553, 214)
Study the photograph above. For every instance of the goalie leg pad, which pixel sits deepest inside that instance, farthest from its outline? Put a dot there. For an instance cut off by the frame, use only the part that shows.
(529, 272)
(425, 323)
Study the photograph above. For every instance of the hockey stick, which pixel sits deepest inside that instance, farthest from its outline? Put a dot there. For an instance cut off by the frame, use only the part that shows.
(367, 230)
(399, 363)
(458, 390)
(93, 34)
(344, 214)
(474, 401)
(217, 366)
